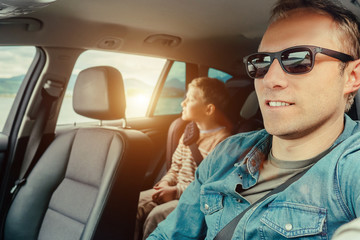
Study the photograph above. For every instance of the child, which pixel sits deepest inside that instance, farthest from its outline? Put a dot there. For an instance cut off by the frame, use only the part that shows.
(205, 104)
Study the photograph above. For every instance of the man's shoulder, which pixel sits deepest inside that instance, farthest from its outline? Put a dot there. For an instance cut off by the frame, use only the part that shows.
(350, 147)
(351, 127)
(345, 154)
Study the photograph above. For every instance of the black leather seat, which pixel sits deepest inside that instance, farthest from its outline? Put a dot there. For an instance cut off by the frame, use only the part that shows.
(86, 185)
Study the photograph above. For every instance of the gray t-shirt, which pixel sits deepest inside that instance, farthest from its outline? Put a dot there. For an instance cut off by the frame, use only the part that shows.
(273, 173)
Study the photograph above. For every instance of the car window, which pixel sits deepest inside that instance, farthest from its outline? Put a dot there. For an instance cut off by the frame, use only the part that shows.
(140, 75)
(14, 64)
(223, 76)
(173, 91)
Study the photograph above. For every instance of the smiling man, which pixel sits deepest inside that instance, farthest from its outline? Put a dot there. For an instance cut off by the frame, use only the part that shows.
(306, 72)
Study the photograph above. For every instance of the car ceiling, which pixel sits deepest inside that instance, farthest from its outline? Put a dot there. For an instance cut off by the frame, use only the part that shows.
(215, 33)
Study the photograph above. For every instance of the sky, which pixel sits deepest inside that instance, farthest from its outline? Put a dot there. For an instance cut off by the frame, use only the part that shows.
(15, 61)
(142, 68)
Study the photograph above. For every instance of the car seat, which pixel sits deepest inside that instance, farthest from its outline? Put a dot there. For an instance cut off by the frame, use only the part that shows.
(250, 117)
(86, 184)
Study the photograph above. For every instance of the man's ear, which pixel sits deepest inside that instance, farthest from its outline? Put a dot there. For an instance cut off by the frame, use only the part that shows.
(210, 109)
(352, 83)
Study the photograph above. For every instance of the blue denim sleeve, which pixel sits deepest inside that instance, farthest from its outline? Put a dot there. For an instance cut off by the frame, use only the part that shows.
(349, 182)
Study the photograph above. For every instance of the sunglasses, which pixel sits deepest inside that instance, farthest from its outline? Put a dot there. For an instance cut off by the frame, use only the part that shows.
(294, 60)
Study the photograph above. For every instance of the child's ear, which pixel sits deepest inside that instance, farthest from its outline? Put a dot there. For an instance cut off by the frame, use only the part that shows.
(210, 109)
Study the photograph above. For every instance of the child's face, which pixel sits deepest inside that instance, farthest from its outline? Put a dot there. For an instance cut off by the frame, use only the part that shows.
(194, 106)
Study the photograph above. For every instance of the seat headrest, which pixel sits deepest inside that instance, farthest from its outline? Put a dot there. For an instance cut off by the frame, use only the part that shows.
(250, 107)
(99, 93)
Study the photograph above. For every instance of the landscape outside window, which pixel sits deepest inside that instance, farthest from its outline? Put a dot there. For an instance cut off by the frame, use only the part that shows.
(223, 76)
(173, 91)
(140, 76)
(14, 64)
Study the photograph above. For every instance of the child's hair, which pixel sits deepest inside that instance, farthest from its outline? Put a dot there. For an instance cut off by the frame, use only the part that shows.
(214, 92)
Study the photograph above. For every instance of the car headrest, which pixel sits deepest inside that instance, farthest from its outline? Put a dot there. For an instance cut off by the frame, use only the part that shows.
(354, 112)
(250, 107)
(238, 89)
(99, 93)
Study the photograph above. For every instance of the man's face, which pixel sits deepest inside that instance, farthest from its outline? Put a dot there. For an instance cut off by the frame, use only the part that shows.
(294, 106)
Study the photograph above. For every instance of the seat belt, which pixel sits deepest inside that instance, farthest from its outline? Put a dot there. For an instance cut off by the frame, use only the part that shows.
(228, 231)
(49, 93)
(196, 153)
(191, 135)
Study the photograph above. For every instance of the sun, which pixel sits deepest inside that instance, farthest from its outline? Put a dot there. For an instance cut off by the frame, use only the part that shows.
(142, 99)
(138, 104)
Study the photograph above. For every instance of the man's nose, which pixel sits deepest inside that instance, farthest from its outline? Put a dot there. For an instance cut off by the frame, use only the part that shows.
(275, 76)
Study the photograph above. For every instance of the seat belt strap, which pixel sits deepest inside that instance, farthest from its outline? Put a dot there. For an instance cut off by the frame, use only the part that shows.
(191, 135)
(37, 132)
(228, 231)
(196, 153)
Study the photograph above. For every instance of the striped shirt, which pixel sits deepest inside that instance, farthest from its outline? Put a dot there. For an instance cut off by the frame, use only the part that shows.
(183, 166)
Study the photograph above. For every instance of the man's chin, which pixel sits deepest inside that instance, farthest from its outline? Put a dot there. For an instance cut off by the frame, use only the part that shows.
(277, 130)
(285, 134)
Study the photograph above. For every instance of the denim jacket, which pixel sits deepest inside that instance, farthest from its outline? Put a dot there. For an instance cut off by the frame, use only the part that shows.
(313, 207)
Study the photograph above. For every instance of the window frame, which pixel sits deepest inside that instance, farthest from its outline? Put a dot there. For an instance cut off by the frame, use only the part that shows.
(12, 143)
(26, 89)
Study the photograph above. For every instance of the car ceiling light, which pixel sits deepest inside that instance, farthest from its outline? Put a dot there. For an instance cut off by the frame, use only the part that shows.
(163, 40)
(13, 8)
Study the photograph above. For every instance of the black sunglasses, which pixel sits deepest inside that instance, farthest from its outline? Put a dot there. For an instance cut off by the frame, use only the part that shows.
(294, 60)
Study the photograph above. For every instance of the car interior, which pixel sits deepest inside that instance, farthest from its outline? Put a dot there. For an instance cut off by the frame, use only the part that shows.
(82, 179)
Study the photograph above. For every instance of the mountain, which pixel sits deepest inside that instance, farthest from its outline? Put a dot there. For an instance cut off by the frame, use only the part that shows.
(129, 83)
(10, 85)
(174, 88)
(133, 83)
(175, 83)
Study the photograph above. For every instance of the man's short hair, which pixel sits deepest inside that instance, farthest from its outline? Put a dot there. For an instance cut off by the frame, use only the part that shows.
(348, 26)
(214, 92)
